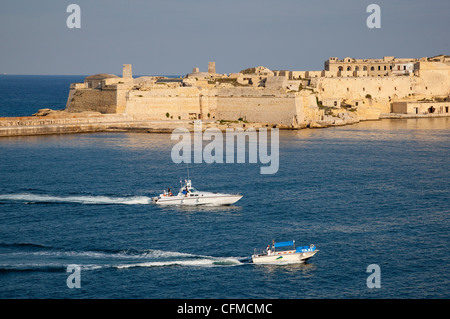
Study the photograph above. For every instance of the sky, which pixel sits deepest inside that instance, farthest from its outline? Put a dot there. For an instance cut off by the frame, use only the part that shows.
(170, 37)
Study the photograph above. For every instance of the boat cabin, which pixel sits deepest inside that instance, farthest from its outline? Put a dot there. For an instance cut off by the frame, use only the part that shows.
(188, 190)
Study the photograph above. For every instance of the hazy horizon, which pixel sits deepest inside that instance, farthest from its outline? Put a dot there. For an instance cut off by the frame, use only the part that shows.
(163, 37)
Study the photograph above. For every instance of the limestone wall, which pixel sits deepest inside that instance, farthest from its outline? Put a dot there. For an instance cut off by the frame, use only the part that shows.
(393, 87)
(436, 76)
(99, 100)
(277, 108)
(183, 102)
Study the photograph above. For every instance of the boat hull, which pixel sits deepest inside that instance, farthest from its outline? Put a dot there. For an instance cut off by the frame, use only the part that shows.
(218, 200)
(283, 257)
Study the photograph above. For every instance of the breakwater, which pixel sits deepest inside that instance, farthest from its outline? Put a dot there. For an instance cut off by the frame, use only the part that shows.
(21, 126)
(79, 123)
(73, 123)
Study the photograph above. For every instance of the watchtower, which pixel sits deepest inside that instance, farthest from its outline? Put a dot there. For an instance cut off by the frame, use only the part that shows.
(212, 67)
(126, 71)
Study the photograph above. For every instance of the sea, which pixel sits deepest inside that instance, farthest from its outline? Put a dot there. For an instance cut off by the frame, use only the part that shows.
(77, 220)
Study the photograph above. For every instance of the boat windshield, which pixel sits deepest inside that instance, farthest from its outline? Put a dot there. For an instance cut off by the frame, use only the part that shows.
(190, 189)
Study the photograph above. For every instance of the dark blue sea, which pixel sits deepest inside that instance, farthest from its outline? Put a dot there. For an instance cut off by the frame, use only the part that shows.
(371, 193)
(24, 95)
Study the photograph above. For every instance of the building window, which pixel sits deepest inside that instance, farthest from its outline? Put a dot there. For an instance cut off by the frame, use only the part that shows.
(364, 89)
(398, 67)
(385, 68)
(372, 68)
(349, 68)
(446, 109)
(379, 68)
(364, 68)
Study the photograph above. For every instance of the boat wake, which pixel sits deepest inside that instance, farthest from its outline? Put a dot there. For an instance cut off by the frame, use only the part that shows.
(95, 200)
(28, 257)
(188, 261)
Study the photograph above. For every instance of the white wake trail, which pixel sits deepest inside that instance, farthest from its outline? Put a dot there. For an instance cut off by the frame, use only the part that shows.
(102, 200)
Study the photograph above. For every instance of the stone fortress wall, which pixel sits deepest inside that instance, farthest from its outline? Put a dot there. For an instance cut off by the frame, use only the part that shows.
(351, 88)
(199, 95)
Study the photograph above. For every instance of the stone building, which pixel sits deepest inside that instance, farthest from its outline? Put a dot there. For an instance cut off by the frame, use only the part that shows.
(97, 80)
(373, 67)
(254, 95)
(365, 87)
(421, 107)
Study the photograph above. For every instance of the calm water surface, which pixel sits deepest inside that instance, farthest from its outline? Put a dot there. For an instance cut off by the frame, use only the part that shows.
(24, 95)
(370, 193)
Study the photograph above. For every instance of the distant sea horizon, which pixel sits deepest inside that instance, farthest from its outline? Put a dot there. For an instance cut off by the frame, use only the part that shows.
(24, 95)
(84, 75)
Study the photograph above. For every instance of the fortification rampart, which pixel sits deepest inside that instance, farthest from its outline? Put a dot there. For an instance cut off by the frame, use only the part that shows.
(275, 107)
(87, 99)
(165, 103)
(361, 88)
(248, 104)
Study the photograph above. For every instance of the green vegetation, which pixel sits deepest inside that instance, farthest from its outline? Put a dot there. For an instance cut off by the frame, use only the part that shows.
(249, 71)
(167, 114)
(227, 122)
(232, 81)
(319, 103)
(348, 107)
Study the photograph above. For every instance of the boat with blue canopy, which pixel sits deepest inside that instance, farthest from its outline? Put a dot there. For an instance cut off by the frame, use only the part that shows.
(284, 252)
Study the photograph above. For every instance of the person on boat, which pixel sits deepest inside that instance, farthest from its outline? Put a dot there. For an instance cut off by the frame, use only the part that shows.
(169, 192)
(185, 191)
(268, 251)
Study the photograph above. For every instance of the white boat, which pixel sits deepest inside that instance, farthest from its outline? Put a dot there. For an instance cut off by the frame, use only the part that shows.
(188, 195)
(272, 255)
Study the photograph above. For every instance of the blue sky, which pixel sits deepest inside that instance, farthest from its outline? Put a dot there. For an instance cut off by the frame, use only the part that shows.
(173, 36)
